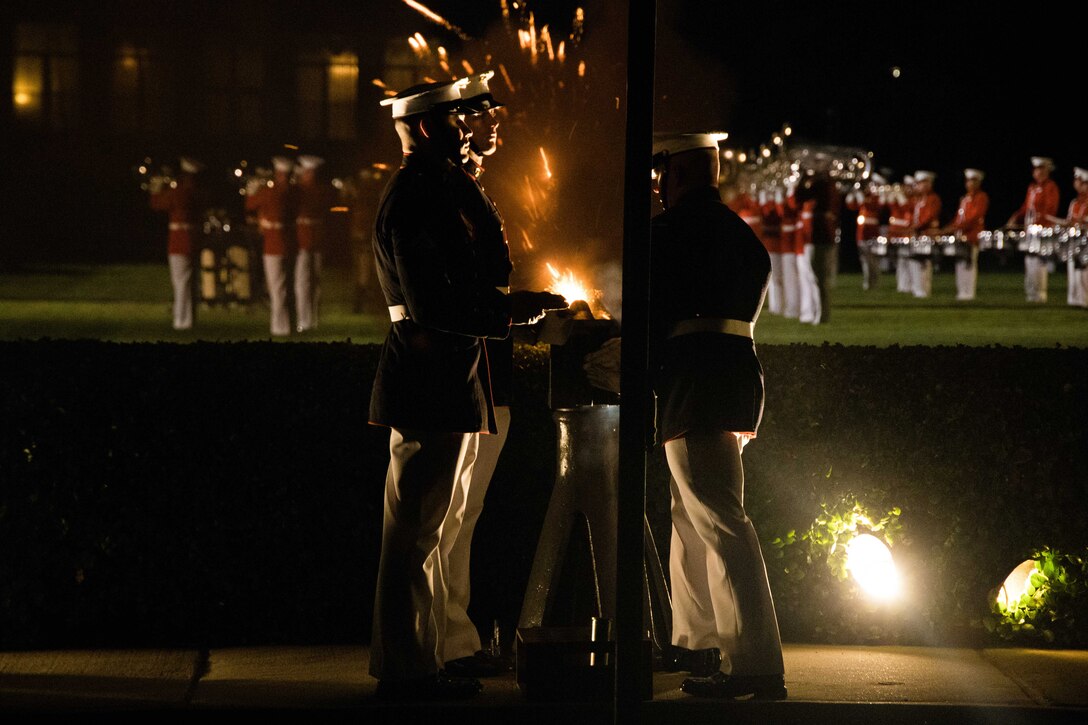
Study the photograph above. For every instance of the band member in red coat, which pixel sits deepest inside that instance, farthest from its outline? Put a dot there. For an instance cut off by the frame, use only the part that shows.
(791, 223)
(181, 200)
(274, 203)
(315, 198)
(970, 219)
(925, 219)
(772, 239)
(1078, 214)
(869, 207)
(900, 207)
(1040, 203)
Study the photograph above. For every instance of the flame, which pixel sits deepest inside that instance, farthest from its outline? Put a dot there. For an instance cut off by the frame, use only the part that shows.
(467, 67)
(581, 69)
(561, 54)
(569, 286)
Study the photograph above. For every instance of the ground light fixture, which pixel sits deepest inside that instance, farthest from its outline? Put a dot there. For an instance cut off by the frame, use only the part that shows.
(869, 561)
(1016, 584)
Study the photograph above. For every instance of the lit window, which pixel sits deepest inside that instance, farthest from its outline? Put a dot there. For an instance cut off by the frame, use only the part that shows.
(327, 87)
(132, 88)
(45, 75)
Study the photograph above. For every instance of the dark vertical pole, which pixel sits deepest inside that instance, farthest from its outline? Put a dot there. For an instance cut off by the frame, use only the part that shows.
(634, 379)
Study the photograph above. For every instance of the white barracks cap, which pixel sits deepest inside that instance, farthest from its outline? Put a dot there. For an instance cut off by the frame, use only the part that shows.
(908, 179)
(1079, 173)
(1037, 161)
(309, 162)
(427, 97)
(922, 175)
(974, 174)
(282, 164)
(675, 143)
(477, 94)
(190, 165)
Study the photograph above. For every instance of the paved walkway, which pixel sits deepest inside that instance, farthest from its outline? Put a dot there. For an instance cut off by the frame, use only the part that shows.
(841, 684)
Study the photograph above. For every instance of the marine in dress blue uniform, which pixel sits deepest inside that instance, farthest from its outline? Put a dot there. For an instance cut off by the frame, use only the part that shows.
(431, 387)
(709, 276)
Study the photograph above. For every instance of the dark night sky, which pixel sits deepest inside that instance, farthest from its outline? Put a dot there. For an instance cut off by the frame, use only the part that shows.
(979, 86)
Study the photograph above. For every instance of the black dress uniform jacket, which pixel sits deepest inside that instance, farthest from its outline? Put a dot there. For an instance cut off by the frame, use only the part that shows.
(491, 235)
(432, 374)
(706, 262)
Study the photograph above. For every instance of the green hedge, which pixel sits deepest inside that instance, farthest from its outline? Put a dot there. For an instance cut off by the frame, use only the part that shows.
(213, 494)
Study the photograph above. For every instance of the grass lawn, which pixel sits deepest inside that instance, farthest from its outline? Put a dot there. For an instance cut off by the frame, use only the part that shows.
(131, 303)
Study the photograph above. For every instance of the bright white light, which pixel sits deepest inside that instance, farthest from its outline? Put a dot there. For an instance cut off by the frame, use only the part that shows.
(1016, 584)
(870, 562)
(896, 72)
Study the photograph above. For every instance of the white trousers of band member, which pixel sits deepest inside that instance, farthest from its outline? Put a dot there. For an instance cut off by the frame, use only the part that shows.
(275, 277)
(775, 301)
(967, 276)
(1035, 278)
(921, 276)
(720, 593)
(809, 287)
(902, 273)
(791, 286)
(870, 267)
(181, 279)
(425, 468)
(1075, 293)
(462, 639)
(307, 288)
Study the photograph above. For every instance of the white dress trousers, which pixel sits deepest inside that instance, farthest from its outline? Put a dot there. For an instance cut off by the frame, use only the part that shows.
(775, 300)
(720, 593)
(307, 288)
(921, 277)
(181, 279)
(275, 276)
(425, 470)
(967, 276)
(1035, 278)
(791, 285)
(462, 639)
(1075, 293)
(809, 288)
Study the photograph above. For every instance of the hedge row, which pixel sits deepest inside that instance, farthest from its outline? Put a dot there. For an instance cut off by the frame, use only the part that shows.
(213, 494)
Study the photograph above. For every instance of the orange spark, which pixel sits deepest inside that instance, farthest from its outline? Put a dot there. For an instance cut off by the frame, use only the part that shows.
(467, 67)
(562, 53)
(506, 77)
(547, 169)
(436, 18)
(581, 68)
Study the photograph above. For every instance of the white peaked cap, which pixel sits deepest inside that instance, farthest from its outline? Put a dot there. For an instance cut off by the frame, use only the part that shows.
(1038, 161)
(282, 163)
(974, 174)
(429, 97)
(190, 165)
(309, 162)
(908, 179)
(877, 179)
(674, 143)
(922, 175)
(1079, 173)
(477, 93)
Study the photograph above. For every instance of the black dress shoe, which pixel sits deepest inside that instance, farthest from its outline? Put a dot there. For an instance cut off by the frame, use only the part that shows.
(480, 664)
(440, 686)
(699, 662)
(723, 686)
